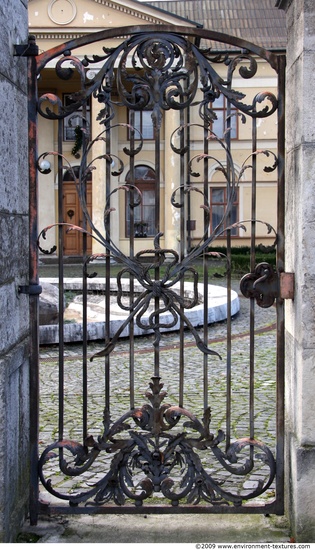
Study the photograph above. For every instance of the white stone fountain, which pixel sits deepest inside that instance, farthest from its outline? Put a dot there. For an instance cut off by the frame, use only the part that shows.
(49, 334)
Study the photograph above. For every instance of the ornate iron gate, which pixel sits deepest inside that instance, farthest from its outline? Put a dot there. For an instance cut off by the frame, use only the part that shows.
(153, 453)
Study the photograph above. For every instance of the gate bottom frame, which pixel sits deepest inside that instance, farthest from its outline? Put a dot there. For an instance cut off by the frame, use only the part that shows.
(53, 509)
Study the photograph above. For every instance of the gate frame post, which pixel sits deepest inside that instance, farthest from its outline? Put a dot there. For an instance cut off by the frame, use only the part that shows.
(281, 269)
(33, 282)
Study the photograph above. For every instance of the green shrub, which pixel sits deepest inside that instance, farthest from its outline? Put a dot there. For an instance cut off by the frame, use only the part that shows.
(241, 262)
(241, 256)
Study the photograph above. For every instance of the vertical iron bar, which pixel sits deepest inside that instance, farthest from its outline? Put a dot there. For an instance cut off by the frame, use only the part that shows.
(33, 280)
(189, 238)
(280, 303)
(205, 268)
(84, 277)
(61, 287)
(228, 344)
(230, 197)
(131, 254)
(107, 269)
(182, 253)
(252, 301)
(157, 230)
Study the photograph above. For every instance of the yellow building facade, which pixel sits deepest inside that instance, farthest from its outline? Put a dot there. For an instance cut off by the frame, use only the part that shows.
(56, 21)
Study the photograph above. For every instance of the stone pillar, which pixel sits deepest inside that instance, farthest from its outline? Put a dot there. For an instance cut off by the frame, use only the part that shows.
(300, 246)
(172, 180)
(14, 223)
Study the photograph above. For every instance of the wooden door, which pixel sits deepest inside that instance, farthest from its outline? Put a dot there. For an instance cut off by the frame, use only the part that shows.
(72, 213)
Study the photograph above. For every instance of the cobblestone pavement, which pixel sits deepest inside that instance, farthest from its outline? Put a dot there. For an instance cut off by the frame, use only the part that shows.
(265, 388)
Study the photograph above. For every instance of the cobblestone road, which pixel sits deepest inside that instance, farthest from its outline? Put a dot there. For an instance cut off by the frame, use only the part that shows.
(265, 385)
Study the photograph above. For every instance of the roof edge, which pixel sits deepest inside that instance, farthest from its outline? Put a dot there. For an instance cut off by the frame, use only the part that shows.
(161, 10)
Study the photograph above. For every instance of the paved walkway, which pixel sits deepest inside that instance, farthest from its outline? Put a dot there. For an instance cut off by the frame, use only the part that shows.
(265, 354)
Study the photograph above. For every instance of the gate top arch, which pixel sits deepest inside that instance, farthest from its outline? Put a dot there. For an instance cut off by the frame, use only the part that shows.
(239, 43)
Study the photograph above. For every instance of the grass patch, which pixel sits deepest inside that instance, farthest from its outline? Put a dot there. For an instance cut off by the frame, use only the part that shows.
(216, 269)
(30, 538)
(217, 265)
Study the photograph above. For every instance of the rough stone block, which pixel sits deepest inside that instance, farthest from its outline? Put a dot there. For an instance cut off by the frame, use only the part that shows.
(301, 473)
(14, 455)
(13, 30)
(14, 236)
(294, 106)
(48, 304)
(15, 317)
(13, 149)
(305, 388)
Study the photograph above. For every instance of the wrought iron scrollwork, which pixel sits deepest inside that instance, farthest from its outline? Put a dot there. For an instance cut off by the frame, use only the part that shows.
(158, 457)
(172, 302)
(156, 448)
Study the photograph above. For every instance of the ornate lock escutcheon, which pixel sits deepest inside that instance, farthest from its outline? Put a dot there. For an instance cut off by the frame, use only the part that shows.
(262, 284)
(70, 213)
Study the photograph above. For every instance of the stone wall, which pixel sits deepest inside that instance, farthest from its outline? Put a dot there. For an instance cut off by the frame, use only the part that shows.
(14, 366)
(300, 245)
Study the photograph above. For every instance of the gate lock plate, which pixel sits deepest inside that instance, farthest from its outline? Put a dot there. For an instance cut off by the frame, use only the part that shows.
(265, 285)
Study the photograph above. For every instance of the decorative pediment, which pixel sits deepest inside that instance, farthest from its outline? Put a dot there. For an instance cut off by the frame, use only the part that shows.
(72, 18)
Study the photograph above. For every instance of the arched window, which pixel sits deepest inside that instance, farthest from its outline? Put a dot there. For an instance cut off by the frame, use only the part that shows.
(218, 202)
(144, 213)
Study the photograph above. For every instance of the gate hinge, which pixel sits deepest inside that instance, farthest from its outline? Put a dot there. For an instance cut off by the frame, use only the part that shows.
(32, 290)
(27, 50)
(265, 285)
(287, 286)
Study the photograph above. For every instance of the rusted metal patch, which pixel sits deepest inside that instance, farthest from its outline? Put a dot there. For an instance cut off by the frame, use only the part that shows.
(287, 282)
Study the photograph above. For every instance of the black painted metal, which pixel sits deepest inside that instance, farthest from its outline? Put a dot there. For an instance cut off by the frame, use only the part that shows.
(159, 449)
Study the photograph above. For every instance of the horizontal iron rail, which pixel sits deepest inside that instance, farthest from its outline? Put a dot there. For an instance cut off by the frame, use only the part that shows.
(52, 509)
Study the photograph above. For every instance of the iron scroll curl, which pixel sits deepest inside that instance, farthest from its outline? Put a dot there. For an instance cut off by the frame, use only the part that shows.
(151, 459)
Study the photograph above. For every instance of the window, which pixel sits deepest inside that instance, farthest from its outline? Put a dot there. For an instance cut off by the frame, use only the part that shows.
(144, 213)
(143, 123)
(75, 119)
(218, 197)
(219, 125)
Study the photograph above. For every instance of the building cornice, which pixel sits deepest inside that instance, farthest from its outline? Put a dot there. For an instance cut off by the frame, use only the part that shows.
(59, 34)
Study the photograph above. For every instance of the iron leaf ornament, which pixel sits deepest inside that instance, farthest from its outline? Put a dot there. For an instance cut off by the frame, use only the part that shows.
(156, 457)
